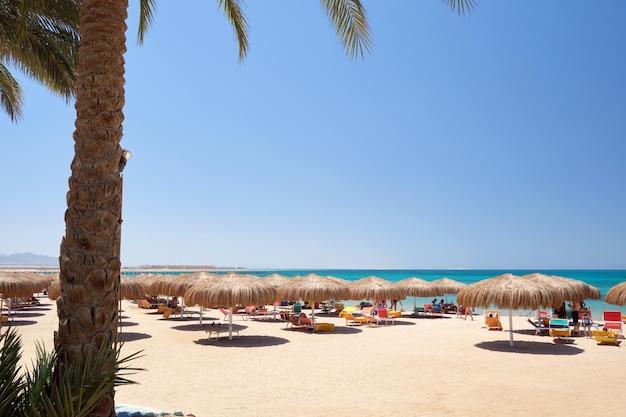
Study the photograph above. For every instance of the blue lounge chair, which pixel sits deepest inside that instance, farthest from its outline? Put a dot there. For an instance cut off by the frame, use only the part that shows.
(539, 326)
(559, 328)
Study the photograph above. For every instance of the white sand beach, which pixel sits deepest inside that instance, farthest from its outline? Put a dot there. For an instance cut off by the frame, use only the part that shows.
(418, 366)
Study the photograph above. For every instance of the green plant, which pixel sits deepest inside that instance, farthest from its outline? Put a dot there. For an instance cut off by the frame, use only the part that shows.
(53, 391)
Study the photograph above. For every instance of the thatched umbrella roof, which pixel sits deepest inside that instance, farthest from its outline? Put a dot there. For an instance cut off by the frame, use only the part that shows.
(339, 280)
(149, 281)
(508, 291)
(417, 287)
(564, 289)
(616, 294)
(54, 290)
(375, 288)
(229, 291)
(177, 285)
(275, 279)
(21, 284)
(447, 285)
(313, 287)
(130, 288)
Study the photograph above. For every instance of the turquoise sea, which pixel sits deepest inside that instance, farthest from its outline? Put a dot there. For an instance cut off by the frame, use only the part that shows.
(601, 279)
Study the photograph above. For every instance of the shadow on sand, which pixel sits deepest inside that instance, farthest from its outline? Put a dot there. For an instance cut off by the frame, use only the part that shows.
(532, 348)
(338, 330)
(132, 336)
(243, 341)
(205, 326)
(18, 323)
(29, 313)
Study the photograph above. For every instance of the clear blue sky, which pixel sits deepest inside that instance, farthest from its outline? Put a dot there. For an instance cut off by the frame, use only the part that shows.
(494, 140)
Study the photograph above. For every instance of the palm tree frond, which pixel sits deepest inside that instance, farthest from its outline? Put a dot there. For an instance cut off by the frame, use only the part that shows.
(146, 18)
(10, 95)
(234, 13)
(55, 389)
(461, 6)
(350, 20)
(40, 38)
(11, 386)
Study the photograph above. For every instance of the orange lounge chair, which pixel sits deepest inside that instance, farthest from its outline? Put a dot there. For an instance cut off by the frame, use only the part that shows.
(492, 319)
(299, 321)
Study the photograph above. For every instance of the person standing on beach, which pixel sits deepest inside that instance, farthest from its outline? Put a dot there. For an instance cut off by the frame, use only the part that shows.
(467, 311)
(575, 312)
(587, 325)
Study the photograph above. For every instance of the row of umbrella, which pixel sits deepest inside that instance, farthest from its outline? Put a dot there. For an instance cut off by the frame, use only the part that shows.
(505, 291)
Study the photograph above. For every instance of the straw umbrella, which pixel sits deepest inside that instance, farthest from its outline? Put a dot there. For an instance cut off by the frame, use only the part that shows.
(275, 280)
(231, 290)
(375, 288)
(177, 285)
(616, 294)
(511, 292)
(20, 284)
(313, 288)
(54, 290)
(447, 286)
(417, 287)
(130, 289)
(564, 288)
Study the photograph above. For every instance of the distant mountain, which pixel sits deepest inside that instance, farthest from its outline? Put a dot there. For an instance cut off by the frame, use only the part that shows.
(19, 259)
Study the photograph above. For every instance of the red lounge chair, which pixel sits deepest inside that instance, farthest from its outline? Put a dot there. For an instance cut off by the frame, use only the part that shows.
(383, 315)
(224, 312)
(613, 321)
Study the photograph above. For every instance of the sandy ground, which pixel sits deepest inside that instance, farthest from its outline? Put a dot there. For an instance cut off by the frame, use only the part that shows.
(417, 367)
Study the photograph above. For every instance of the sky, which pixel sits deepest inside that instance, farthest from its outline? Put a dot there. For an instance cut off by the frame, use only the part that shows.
(494, 140)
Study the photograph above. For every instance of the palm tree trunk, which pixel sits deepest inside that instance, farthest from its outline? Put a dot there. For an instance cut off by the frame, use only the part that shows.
(90, 251)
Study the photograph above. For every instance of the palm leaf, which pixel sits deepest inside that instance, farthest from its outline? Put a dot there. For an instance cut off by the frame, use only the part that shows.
(461, 6)
(11, 386)
(352, 28)
(50, 389)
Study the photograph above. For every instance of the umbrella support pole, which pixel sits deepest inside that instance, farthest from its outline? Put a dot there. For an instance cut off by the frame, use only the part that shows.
(230, 323)
(511, 328)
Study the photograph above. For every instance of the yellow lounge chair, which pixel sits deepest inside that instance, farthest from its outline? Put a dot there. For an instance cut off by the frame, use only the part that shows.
(354, 319)
(346, 311)
(605, 337)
